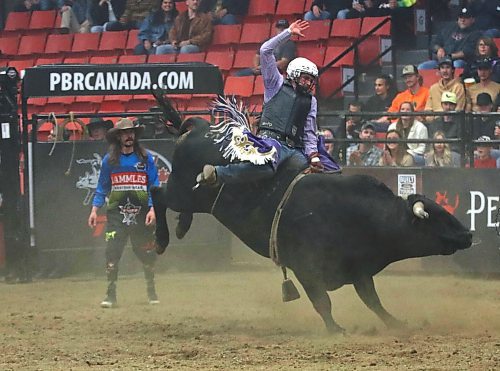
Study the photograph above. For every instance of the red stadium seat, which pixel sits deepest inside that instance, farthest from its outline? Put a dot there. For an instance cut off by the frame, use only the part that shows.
(497, 42)
(224, 60)
(111, 106)
(138, 105)
(371, 22)
(346, 28)
(244, 58)
(43, 131)
(430, 77)
(329, 81)
(82, 107)
(370, 48)
(31, 44)
(314, 52)
(127, 59)
(258, 85)
(318, 30)
(191, 57)
(9, 44)
(261, 7)
(48, 60)
(113, 41)
(334, 51)
(239, 86)
(290, 7)
(307, 5)
(161, 58)
(255, 33)
(76, 60)
(42, 20)
(120, 98)
(21, 65)
(59, 44)
(17, 21)
(103, 60)
(132, 40)
(61, 100)
(226, 34)
(85, 42)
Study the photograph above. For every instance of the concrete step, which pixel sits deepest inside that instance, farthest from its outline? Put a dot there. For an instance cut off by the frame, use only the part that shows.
(415, 57)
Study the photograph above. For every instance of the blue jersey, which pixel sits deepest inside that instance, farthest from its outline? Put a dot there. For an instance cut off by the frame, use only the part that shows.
(128, 184)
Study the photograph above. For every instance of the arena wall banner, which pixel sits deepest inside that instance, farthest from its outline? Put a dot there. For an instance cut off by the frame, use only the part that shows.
(72, 80)
(64, 186)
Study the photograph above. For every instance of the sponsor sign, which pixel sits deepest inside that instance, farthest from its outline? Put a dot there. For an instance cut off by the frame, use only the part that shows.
(407, 185)
(63, 80)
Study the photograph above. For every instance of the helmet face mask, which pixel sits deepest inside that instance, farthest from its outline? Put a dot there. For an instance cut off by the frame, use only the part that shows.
(303, 73)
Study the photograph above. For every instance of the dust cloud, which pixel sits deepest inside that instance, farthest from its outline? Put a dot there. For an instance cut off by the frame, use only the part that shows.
(235, 319)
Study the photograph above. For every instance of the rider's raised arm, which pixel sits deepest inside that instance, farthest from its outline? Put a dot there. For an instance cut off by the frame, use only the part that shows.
(270, 73)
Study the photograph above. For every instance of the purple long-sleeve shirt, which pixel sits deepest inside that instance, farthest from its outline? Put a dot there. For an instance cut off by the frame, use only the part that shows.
(273, 80)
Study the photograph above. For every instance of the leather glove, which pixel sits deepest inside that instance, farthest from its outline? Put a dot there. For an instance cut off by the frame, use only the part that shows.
(315, 165)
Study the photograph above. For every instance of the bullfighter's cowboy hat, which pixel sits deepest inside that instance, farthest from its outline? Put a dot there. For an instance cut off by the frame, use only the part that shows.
(123, 124)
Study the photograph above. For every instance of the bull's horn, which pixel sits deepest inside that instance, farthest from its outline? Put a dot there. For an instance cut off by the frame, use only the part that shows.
(419, 211)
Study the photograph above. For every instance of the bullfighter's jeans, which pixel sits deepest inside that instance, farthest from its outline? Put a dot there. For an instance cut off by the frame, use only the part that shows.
(243, 172)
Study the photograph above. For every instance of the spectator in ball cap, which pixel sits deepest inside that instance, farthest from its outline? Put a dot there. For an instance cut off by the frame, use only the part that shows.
(485, 85)
(98, 127)
(458, 41)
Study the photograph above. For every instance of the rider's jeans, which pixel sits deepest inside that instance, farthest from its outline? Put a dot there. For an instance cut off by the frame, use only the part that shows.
(243, 172)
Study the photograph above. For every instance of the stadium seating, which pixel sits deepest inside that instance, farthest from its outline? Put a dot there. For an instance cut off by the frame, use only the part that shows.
(31, 45)
(255, 33)
(224, 60)
(112, 43)
(59, 44)
(17, 22)
(226, 34)
(103, 60)
(162, 58)
(124, 59)
(259, 8)
(9, 44)
(239, 86)
(191, 57)
(85, 43)
(318, 30)
(314, 52)
(370, 48)
(290, 7)
(42, 20)
(48, 60)
(132, 40)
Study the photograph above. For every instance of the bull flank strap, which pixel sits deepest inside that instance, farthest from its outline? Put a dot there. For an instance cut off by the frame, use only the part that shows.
(273, 239)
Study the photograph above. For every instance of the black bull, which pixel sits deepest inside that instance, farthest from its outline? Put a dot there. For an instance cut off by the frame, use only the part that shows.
(334, 229)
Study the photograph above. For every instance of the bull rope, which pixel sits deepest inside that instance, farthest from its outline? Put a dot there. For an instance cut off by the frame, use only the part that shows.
(273, 239)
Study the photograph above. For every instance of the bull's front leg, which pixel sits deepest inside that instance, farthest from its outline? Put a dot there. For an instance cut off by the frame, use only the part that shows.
(185, 220)
(162, 234)
(365, 288)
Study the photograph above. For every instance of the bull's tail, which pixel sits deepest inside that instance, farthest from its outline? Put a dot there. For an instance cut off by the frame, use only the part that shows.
(159, 196)
(169, 112)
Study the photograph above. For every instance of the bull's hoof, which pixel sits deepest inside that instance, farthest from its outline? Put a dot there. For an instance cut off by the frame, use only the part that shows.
(180, 231)
(395, 324)
(162, 241)
(335, 330)
(160, 249)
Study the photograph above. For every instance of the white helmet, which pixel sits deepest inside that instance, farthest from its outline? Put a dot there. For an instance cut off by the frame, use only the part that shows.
(301, 65)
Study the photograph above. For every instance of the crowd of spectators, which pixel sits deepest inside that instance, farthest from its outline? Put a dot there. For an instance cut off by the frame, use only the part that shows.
(464, 54)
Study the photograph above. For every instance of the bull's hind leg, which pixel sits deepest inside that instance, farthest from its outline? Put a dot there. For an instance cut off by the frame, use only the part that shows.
(366, 290)
(321, 302)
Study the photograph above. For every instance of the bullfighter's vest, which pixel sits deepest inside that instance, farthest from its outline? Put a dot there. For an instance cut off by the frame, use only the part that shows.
(285, 115)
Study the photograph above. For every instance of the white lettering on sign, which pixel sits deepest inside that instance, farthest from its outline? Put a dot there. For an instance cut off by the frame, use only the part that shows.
(106, 81)
(478, 204)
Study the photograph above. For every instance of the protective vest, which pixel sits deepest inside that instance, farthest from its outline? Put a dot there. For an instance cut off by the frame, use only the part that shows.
(285, 115)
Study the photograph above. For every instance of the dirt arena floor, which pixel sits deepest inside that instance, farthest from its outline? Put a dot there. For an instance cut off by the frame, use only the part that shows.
(235, 320)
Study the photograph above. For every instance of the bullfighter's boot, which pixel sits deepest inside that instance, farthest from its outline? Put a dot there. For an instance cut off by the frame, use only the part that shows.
(149, 274)
(110, 300)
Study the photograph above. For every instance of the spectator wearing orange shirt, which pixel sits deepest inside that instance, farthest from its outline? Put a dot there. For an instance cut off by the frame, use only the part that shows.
(415, 93)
